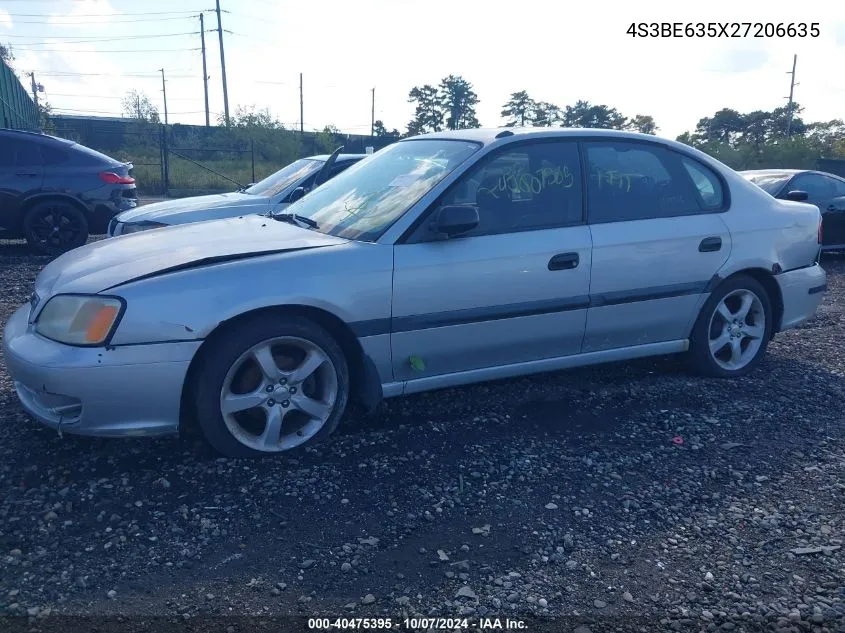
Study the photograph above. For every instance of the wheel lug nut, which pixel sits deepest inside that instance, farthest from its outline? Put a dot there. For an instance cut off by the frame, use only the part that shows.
(283, 381)
(285, 403)
(268, 388)
(292, 390)
(271, 402)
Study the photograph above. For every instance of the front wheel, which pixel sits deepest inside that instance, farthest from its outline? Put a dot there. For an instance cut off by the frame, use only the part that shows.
(270, 385)
(733, 329)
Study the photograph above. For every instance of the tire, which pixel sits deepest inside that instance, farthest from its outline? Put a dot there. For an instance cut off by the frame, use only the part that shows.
(706, 356)
(304, 402)
(54, 227)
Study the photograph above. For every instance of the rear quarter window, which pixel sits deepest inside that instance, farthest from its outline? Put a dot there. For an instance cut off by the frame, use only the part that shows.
(87, 156)
(54, 155)
(707, 184)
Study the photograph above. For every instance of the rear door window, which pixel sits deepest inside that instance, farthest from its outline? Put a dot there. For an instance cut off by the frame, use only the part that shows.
(53, 155)
(638, 181)
(8, 149)
(27, 155)
(818, 187)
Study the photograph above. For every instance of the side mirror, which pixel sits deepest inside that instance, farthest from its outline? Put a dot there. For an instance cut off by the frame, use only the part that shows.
(797, 196)
(452, 220)
(296, 194)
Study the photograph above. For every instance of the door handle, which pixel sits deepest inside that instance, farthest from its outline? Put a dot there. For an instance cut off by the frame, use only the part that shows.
(564, 261)
(27, 174)
(710, 245)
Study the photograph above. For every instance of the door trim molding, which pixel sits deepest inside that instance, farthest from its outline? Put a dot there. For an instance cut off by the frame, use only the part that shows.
(448, 318)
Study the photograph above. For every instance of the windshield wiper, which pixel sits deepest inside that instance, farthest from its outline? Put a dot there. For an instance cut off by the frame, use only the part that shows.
(293, 218)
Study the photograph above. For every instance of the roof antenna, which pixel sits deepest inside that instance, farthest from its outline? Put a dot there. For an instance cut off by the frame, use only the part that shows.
(504, 133)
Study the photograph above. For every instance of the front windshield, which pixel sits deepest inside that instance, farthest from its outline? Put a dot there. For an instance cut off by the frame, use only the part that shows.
(363, 201)
(770, 183)
(285, 177)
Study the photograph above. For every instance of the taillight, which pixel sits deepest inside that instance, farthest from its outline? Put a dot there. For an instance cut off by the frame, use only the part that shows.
(820, 231)
(113, 179)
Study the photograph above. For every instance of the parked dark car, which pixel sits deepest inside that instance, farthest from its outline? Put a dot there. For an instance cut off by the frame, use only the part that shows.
(824, 190)
(54, 192)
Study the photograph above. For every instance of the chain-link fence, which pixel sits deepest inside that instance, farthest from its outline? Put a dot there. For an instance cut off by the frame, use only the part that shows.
(184, 160)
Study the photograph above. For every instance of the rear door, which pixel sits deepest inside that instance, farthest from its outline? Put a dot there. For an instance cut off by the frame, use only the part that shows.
(21, 174)
(658, 240)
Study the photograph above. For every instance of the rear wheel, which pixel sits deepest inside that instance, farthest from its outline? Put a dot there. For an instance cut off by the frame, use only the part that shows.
(53, 227)
(271, 385)
(733, 329)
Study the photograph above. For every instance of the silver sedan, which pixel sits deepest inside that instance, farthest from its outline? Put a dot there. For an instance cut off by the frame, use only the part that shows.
(441, 260)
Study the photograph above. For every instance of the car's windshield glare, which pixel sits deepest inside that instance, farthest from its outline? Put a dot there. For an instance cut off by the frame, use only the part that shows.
(363, 201)
(285, 177)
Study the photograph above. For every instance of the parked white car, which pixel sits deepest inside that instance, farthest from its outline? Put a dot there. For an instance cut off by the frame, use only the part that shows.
(274, 193)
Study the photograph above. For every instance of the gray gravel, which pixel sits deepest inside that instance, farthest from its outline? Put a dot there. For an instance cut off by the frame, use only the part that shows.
(623, 490)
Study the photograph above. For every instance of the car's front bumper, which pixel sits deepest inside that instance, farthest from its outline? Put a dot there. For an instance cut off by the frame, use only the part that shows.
(802, 291)
(128, 390)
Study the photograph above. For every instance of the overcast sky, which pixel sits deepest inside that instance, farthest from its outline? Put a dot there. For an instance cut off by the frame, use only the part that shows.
(555, 50)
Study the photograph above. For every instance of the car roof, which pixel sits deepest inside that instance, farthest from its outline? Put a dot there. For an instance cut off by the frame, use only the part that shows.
(491, 134)
(773, 172)
(787, 172)
(325, 157)
(32, 135)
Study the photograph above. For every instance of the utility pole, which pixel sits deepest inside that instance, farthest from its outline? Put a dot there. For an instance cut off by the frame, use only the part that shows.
(164, 92)
(373, 115)
(301, 108)
(791, 89)
(222, 65)
(204, 70)
(34, 89)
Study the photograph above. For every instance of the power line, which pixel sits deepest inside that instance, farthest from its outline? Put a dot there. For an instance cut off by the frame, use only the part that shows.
(252, 17)
(128, 50)
(99, 15)
(87, 96)
(253, 37)
(113, 113)
(83, 39)
(74, 21)
(134, 75)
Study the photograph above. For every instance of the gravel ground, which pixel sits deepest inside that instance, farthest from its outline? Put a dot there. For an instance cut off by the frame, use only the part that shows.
(622, 490)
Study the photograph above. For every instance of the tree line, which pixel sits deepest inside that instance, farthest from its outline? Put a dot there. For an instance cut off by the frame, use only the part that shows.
(758, 139)
(767, 139)
(450, 105)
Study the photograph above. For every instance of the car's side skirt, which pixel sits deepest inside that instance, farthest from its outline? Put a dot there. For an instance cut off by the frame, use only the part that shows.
(428, 383)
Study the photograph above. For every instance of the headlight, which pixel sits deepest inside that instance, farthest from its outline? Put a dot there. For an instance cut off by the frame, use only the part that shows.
(134, 227)
(79, 319)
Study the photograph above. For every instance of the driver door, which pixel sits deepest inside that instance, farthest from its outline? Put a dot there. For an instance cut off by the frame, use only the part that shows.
(512, 290)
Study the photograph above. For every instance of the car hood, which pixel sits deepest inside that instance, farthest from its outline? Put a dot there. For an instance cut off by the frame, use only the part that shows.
(102, 265)
(197, 209)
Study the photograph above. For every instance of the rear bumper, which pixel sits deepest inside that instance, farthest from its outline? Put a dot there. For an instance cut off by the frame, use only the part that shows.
(104, 209)
(802, 291)
(129, 390)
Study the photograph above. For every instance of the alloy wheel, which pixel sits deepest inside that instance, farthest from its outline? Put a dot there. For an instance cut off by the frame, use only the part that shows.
(54, 229)
(279, 394)
(736, 330)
